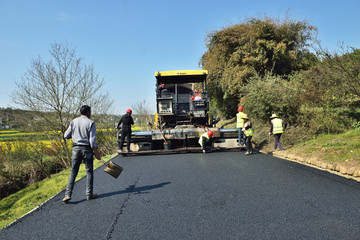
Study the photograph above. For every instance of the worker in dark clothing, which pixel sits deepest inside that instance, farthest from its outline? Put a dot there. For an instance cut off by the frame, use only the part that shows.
(125, 125)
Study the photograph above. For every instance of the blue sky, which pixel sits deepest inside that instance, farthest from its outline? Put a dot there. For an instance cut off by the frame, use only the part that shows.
(129, 40)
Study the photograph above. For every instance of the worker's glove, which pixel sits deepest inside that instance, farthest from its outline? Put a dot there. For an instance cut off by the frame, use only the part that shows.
(243, 129)
(269, 134)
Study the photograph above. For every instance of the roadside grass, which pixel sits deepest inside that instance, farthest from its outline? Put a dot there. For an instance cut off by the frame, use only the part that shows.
(20, 203)
(338, 148)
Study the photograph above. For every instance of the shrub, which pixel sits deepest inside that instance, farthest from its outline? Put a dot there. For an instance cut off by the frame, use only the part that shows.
(322, 120)
(24, 163)
(272, 94)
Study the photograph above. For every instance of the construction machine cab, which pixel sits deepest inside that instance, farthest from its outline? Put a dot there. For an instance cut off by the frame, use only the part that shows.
(182, 98)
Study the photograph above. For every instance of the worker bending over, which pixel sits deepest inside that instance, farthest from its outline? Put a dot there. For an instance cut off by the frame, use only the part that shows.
(205, 140)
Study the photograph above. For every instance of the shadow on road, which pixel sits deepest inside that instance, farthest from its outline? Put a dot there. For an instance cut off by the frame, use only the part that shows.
(134, 189)
(130, 189)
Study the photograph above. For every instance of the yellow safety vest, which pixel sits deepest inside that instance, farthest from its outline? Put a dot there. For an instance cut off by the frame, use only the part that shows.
(277, 126)
(248, 132)
(239, 120)
(203, 135)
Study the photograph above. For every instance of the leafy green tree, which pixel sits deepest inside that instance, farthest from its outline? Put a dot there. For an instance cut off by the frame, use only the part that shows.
(254, 47)
(272, 94)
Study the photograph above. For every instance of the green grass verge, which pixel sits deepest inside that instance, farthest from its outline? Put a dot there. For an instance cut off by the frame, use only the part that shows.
(20, 203)
(343, 147)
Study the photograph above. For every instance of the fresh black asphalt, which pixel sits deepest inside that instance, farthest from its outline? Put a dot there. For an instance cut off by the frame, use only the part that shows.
(219, 195)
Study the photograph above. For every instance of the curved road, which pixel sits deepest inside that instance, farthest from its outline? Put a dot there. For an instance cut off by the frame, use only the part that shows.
(219, 195)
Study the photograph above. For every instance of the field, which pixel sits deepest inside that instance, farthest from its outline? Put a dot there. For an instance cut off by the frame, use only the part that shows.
(29, 157)
(14, 136)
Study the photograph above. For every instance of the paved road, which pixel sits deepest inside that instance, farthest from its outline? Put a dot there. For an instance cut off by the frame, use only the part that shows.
(220, 195)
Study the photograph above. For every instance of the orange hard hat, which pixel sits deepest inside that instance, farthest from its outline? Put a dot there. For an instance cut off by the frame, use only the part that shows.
(240, 109)
(210, 133)
(129, 111)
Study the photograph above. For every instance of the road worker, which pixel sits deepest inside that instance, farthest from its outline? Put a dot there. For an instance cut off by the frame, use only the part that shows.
(239, 124)
(82, 130)
(125, 125)
(205, 140)
(277, 127)
(248, 133)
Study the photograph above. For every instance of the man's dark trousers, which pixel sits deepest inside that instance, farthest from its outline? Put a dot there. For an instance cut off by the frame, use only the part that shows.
(127, 134)
(277, 141)
(80, 154)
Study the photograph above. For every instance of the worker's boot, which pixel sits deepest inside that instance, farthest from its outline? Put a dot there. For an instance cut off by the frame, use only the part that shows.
(92, 196)
(66, 199)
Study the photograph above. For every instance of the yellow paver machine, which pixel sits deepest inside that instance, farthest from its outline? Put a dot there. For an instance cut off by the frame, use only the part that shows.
(182, 104)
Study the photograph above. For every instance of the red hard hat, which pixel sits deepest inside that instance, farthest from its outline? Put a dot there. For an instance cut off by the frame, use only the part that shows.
(210, 133)
(129, 111)
(240, 109)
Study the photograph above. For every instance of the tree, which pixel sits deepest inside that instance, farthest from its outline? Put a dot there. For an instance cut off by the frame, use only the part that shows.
(342, 70)
(57, 89)
(255, 47)
(143, 114)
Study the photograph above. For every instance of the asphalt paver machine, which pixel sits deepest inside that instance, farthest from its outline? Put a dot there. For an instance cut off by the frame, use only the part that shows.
(182, 103)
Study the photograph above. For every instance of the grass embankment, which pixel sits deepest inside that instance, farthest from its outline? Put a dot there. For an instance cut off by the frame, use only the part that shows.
(341, 149)
(20, 203)
(335, 152)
